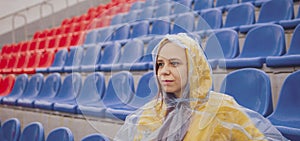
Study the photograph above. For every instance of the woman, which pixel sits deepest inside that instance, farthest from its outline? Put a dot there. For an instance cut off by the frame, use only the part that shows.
(186, 108)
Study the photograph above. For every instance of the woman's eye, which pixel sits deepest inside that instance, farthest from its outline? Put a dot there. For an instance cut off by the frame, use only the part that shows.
(160, 64)
(175, 64)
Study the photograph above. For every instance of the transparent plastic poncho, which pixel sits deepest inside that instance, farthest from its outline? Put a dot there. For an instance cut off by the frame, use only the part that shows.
(200, 114)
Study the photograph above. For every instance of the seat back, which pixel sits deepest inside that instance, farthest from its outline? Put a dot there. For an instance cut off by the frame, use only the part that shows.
(91, 56)
(140, 29)
(46, 59)
(225, 2)
(242, 14)
(210, 19)
(129, 17)
(295, 41)
(104, 34)
(121, 32)
(117, 19)
(34, 60)
(70, 87)
(74, 56)
(150, 46)
(51, 86)
(111, 53)
(256, 45)
(136, 5)
(120, 89)
(19, 86)
(23, 60)
(163, 10)
(222, 44)
(34, 86)
(7, 84)
(182, 6)
(95, 137)
(146, 13)
(160, 27)
(60, 134)
(203, 4)
(10, 130)
(33, 132)
(90, 37)
(133, 51)
(276, 10)
(149, 3)
(92, 90)
(60, 58)
(251, 88)
(183, 23)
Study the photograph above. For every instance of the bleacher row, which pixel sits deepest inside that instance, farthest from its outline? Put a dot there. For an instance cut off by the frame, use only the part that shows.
(10, 130)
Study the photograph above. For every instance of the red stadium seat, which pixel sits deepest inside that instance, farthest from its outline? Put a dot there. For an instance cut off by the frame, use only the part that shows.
(33, 62)
(7, 84)
(12, 63)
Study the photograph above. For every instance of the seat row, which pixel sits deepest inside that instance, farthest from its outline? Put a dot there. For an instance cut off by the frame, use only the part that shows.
(92, 98)
(10, 130)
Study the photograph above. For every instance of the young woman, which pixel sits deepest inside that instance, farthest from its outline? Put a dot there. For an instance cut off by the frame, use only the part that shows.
(186, 108)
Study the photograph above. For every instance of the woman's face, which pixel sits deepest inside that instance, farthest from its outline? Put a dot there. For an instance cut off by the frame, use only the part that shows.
(172, 68)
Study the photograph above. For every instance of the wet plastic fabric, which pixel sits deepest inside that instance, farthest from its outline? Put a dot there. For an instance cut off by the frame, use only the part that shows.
(200, 114)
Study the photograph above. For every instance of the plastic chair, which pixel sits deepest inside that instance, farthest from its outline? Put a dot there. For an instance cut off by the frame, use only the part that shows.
(242, 14)
(58, 62)
(90, 38)
(91, 94)
(291, 23)
(256, 48)
(110, 55)
(284, 11)
(286, 114)
(140, 29)
(90, 58)
(223, 44)
(104, 34)
(121, 32)
(10, 130)
(7, 84)
(22, 63)
(146, 91)
(17, 91)
(117, 19)
(46, 61)
(95, 137)
(48, 91)
(182, 6)
(33, 132)
(149, 3)
(60, 134)
(251, 88)
(291, 58)
(73, 60)
(183, 23)
(202, 4)
(160, 27)
(33, 88)
(146, 13)
(130, 17)
(163, 10)
(225, 4)
(210, 19)
(136, 5)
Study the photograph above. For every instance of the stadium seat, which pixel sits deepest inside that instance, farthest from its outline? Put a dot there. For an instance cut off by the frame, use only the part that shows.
(225, 4)
(202, 4)
(117, 19)
(91, 94)
(33, 132)
(222, 44)
(146, 13)
(286, 114)
(42, 45)
(5, 61)
(256, 48)
(163, 10)
(256, 3)
(90, 38)
(291, 23)
(46, 61)
(49, 90)
(146, 91)
(121, 33)
(74, 59)
(104, 34)
(32, 64)
(60, 134)
(90, 59)
(136, 5)
(58, 62)
(95, 137)
(65, 100)
(7, 84)
(140, 29)
(149, 3)
(183, 23)
(182, 6)
(33, 46)
(110, 55)
(251, 88)
(242, 14)
(160, 27)
(33, 88)
(130, 17)
(17, 90)
(291, 58)
(12, 63)
(22, 63)
(267, 14)
(10, 130)
(120, 90)
(209, 19)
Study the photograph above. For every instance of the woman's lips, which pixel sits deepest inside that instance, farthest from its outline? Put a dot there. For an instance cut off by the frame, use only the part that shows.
(167, 82)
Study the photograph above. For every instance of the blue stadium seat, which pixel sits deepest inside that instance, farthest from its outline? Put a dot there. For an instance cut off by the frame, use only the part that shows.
(251, 88)
(33, 132)
(110, 56)
(74, 59)
(160, 27)
(10, 130)
(268, 14)
(49, 90)
(203, 4)
(256, 3)
(32, 90)
(146, 13)
(60, 134)
(149, 3)
(121, 33)
(225, 4)
(17, 90)
(119, 91)
(182, 6)
(221, 44)
(286, 114)
(59, 61)
(130, 17)
(256, 48)
(90, 38)
(291, 23)
(90, 58)
(242, 14)
(68, 91)
(209, 19)
(146, 91)
(163, 10)
(65, 100)
(147, 63)
(183, 23)
(117, 19)
(104, 35)
(292, 57)
(90, 96)
(137, 5)
(140, 29)
(95, 137)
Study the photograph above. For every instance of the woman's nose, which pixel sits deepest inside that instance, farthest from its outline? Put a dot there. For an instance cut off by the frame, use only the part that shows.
(165, 70)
